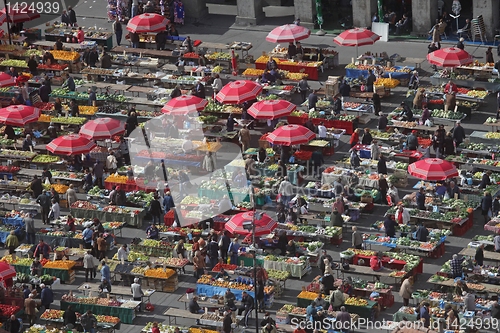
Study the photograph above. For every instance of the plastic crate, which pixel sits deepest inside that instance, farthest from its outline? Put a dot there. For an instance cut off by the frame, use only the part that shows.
(335, 240)
(388, 300)
(282, 320)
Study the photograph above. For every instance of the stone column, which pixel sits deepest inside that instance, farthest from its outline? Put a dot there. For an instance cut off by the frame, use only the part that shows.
(489, 9)
(195, 9)
(305, 10)
(249, 12)
(362, 11)
(424, 15)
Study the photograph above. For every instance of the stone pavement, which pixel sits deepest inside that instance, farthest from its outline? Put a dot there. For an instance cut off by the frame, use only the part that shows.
(217, 29)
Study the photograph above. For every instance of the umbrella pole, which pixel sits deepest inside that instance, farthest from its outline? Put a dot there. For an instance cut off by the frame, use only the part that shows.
(256, 302)
(7, 17)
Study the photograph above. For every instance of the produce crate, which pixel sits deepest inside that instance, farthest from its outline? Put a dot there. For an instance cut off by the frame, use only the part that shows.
(388, 300)
(368, 200)
(264, 144)
(336, 240)
(282, 318)
(57, 81)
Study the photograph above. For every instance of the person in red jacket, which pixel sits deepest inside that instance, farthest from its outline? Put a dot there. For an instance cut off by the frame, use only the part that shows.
(376, 262)
(354, 137)
(450, 87)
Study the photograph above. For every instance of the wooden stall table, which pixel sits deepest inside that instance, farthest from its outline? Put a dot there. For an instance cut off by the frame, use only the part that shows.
(215, 46)
(88, 288)
(104, 86)
(244, 47)
(140, 90)
(173, 313)
(488, 255)
(367, 271)
(450, 283)
(417, 61)
(161, 54)
(203, 304)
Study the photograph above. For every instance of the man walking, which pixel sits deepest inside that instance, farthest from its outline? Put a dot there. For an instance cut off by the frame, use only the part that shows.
(44, 201)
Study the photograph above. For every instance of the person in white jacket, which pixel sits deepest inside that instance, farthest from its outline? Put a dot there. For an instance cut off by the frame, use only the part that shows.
(394, 193)
(217, 84)
(375, 150)
(55, 211)
(402, 215)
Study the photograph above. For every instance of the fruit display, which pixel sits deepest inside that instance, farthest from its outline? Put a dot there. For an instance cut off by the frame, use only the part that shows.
(17, 154)
(41, 158)
(51, 314)
(69, 120)
(278, 275)
(265, 59)
(60, 264)
(492, 135)
(386, 69)
(133, 256)
(114, 178)
(138, 270)
(224, 56)
(14, 63)
(354, 301)
(9, 310)
(351, 105)
(386, 83)
(65, 55)
(84, 205)
(56, 67)
(117, 210)
(307, 295)
(87, 110)
(175, 262)
(226, 267)
(159, 273)
(477, 94)
(191, 200)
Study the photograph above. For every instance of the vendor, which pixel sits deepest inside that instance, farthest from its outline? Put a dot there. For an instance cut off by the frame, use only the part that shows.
(420, 199)
(453, 190)
(390, 225)
(412, 140)
(376, 262)
(48, 58)
(152, 232)
(122, 253)
(292, 50)
(41, 249)
(422, 233)
(222, 274)
(402, 215)
(291, 249)
(406, 114)
(271, 64)
(456, 266)
(36, 267)
(229, 300)
(336, 219)
(327, 282)
(105, 287)
(461, 287)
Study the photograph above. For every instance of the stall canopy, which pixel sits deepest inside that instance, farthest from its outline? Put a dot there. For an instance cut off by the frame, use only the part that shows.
(356, 37)
(290, 135)
(102, 128)
(72, 144)
(433, 169)
(271, 109)
(147, 23)
(6, 271)
(184, 105)
(239, 224)
(450, 57)
(19, 115)
(238, 92)
(18, 15)
(6, 80)
(288, 33)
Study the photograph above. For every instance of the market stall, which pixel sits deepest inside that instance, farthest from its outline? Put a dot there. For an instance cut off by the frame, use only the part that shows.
(131, 216)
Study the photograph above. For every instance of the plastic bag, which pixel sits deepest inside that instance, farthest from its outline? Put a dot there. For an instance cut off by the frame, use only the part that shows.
(47, 181)
(150, 307)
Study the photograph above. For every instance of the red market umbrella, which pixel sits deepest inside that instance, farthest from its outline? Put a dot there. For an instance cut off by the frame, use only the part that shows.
(3, 17)
(263, 226)
(288, 33)
(184, 104)
(238, 92)
(6, 80)
(272, 109)
(432, 169)
(290, 135)
(147, 23)
(2, 33)
(356, 37)
(19, 115)
(71, 144)
(19, 15)
(6, 271)
(102, 128)
(450, 57)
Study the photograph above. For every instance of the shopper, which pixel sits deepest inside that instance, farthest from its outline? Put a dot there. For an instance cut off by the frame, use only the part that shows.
(89, 266)
(406, 290)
